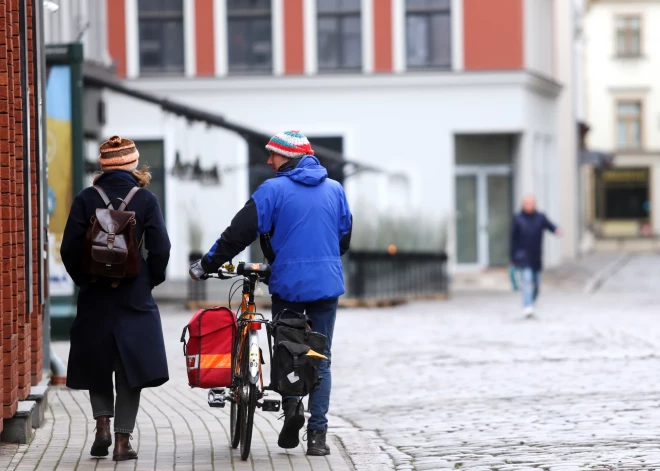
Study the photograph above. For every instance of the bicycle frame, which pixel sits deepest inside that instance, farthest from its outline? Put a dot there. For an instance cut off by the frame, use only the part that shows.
(248, 327)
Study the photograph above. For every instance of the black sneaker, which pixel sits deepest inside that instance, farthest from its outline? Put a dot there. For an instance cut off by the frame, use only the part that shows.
(294, 419)
(316, 445)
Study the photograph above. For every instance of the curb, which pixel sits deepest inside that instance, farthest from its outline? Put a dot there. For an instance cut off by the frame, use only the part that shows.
(358, 448)
(594, 283)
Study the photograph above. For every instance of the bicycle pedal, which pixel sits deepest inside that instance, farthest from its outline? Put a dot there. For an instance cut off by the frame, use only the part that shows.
(216, 397)
(271, 405)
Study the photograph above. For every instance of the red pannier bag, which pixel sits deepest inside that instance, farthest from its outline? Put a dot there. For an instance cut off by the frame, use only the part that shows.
(210, 347)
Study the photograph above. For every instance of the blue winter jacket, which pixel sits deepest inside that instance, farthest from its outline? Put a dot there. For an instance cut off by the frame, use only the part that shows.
(309, 222)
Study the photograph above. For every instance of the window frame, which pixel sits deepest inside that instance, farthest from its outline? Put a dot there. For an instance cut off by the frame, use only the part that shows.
(628, 35)
(161, 17)
(627, 147)
(428, 13)
(339, 14)
(252, 14)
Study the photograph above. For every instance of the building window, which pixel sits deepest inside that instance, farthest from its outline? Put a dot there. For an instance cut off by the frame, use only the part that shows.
(160, 23)
(339, 35)
(628, 36)
(623, 194)
(629, 124)
(250, 36)
(428, 33)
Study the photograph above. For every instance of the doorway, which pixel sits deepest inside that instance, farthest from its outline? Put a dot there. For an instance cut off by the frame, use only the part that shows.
(484, 200)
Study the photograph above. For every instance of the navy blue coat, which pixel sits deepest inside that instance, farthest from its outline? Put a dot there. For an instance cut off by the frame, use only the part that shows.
(126, 315)
(527, 239)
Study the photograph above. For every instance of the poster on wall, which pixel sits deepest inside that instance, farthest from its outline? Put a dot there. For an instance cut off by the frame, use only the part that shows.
(60, 172)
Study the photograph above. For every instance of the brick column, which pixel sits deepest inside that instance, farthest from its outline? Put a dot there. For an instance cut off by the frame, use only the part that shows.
(8, 221)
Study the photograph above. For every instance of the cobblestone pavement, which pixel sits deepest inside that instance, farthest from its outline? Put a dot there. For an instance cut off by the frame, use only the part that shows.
(462, 384)
(468, 384)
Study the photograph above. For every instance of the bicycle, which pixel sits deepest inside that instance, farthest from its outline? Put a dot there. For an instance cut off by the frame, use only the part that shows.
(247, 387)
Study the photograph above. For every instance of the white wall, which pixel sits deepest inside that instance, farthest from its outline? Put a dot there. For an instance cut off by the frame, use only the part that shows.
(402, 124)
(85, 19)
(609, 78)
(539, 36)
(566, 119)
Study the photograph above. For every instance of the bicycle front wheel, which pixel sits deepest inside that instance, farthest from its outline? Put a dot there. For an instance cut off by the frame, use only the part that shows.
(235, 424)
(247, 419)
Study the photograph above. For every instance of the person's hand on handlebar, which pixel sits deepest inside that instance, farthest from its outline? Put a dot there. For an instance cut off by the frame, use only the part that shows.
(197, 271)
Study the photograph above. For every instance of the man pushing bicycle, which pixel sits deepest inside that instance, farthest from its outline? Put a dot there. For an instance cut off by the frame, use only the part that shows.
(306, 216)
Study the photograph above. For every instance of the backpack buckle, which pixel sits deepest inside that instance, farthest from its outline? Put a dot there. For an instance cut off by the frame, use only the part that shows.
(111, 240)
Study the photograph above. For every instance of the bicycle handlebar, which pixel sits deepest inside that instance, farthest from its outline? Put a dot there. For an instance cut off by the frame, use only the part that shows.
(259, 270)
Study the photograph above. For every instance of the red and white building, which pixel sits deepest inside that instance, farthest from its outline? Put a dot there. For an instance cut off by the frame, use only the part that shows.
(466, 105)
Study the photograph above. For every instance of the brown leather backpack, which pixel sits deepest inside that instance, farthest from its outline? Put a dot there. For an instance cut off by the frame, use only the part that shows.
(111, 246)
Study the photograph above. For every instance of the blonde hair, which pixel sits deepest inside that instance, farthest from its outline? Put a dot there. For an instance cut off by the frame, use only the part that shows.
(142, 175)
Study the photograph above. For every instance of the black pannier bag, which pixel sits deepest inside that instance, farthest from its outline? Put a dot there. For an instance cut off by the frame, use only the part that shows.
(294, 370)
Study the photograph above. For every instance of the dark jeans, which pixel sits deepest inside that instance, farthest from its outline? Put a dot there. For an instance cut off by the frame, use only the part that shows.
(322, 314)
(128, 401)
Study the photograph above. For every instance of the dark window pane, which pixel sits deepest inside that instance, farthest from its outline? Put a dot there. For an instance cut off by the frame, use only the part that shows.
(327, 5)
(439, 3)
(352, 42)
(160, 5)
(441, 39)
(417, 46)
(328, 43)
(351, 4)
(161, 45)
(239, 43)
(248, 5)
(626, 203)
(428, 4)
(173, 41)
(416, 3)
(250, 44)
(262, 43)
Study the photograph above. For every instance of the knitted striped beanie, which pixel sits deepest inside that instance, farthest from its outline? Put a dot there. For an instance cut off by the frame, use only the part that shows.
(292, 144)
(118, 154)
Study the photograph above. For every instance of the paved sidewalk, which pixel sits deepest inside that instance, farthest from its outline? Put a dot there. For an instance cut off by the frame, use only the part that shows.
(176, 429)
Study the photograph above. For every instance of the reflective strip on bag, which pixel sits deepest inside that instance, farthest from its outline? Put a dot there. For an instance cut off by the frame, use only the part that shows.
(222, 360)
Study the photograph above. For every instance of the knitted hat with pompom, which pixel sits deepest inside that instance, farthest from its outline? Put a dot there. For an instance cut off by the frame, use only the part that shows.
(292, 144)
(118, 154)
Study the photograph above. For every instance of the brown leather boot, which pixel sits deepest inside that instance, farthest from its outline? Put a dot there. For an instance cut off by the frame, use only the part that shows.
(123, 450)
(103, 438)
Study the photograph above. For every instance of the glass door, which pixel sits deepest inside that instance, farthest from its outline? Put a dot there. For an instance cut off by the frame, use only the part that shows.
(467, 252)
(483, 215)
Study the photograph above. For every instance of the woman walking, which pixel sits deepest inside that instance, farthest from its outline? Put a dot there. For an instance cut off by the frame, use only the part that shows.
(117, 328)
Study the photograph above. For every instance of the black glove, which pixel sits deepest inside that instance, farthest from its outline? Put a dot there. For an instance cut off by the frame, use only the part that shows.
(196, 271)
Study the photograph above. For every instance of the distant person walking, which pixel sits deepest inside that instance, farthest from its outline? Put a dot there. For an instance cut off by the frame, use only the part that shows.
(527, 249)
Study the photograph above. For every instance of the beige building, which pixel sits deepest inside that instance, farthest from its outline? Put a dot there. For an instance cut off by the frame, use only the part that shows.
(622, 66)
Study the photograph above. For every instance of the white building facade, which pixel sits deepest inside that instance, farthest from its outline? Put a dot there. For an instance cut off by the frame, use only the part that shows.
(464, 106)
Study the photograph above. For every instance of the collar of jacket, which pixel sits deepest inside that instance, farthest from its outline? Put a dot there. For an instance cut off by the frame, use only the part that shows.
(117, 176)
(288, 166)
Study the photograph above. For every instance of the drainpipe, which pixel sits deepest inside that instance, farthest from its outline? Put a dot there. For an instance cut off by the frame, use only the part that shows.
(51, 362)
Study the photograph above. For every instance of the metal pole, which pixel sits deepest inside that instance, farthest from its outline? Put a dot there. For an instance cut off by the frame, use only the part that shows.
(42, 176)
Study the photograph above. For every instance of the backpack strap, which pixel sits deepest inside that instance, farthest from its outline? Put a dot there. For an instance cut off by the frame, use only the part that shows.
(106, 200)
(128, 198)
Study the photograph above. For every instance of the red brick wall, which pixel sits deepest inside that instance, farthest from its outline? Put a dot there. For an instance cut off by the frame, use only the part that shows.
(21, 330)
